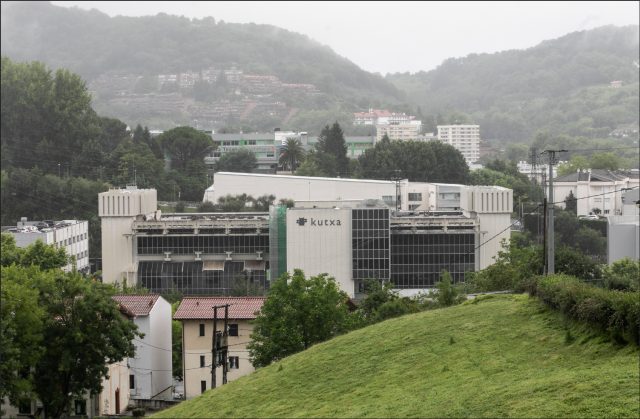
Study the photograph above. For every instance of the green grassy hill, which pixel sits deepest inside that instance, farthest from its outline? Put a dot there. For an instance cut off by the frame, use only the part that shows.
(505, 356)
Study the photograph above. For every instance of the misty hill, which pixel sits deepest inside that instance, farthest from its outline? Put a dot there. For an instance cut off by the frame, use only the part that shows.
(561, 86)
(503, 356)
(112, 54)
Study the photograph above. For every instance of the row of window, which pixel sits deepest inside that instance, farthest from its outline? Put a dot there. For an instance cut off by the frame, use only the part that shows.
(232, 329)
(182, 245)
(71, 240)
(234, 364)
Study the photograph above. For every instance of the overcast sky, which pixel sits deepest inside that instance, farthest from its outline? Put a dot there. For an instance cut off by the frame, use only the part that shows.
(401, 36)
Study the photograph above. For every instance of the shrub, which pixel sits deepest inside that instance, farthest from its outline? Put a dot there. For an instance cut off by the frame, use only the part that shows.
(138, 412)
(623, 275)
(616, 313)
(447, 294)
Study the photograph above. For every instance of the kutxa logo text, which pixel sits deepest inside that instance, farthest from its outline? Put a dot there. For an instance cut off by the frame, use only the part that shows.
(318, 223)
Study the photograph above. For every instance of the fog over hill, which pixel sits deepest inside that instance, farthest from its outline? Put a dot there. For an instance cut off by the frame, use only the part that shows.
(162, 71)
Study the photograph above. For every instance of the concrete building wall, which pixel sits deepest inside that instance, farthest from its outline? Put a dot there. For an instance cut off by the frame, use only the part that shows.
(623, 237)
(161, 339)
(74, 238)
(195, 346)
(115, 397)
(319, 241)
(465, 138)
(298, 187)
(118, 208)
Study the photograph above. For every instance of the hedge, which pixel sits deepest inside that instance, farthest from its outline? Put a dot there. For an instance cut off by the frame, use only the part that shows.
(616, 313)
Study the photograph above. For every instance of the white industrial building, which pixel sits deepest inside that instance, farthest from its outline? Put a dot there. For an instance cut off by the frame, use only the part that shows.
(347, 228)
(72, 235)
(464, 138)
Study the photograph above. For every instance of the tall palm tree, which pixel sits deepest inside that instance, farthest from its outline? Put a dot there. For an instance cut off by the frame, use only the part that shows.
(291, 154)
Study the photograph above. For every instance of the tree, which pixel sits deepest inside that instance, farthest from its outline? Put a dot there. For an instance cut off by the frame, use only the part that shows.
(242, 160)
(297, 313)
(331, 141)
(262, 203)
(570, 203)
(176, 344)
(65, 328)
(186, 147)
(447, 294)
(574, 164)
(207, 206)
(76, 357)
(291, 154)
(623, 274)
(414, 160)
(21, 331)
(606, 161)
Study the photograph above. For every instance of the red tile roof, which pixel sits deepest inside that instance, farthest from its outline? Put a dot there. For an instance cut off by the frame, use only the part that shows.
(196, 308)
(139, 305)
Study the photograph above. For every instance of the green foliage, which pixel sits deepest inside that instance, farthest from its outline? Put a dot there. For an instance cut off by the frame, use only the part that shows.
(571, 203)
(21, 323)
(176, 344)
(573, 262)
(615, 312)
(513, 266)
(447, 294)
(291, 154)
(179, 206)
(430, 161)
(508, 360)
(607, 161)
(207, 206)
(240, 161)
(331, 142)
(297, 313)
(623, 275)
(38, 254)
(574, 164)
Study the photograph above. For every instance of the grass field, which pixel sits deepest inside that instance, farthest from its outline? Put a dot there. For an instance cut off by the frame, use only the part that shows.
(502, 356)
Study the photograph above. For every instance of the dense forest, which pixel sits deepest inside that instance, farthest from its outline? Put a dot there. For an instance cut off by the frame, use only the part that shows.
(560, 86)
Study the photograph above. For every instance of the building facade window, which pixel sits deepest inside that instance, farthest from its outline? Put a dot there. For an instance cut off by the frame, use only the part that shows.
(201, 329)
(233, 329)
(203, 386)
(201, 361)
(415, 197)
(132, 381)
(234, 362)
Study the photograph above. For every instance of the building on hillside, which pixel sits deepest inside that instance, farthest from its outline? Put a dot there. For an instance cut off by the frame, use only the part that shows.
(150, 377)
(539, 173)
(262, 145)
(596, 191)
(196, 315)
(72, 235)
(205, 254)
(381, 117)
(356, 144)
(464, 138)
(405, 131)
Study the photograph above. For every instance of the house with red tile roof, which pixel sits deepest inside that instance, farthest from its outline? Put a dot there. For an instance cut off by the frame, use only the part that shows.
(196, 315)
(150, 376)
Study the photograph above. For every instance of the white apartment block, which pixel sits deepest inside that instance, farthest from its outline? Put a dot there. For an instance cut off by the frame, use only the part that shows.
(464, 138)
(72, 235)
(406, 131)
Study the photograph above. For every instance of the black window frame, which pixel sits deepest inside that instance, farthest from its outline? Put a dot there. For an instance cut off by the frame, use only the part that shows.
(233, 329)
(203, 386)
(202, 330)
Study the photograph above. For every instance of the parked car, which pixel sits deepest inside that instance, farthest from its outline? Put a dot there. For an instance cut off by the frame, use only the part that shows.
(589, 217)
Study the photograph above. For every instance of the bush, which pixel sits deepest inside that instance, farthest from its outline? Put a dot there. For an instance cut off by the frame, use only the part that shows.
(616, 313)
(138, 412)
(447, 294)
(623, 275)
